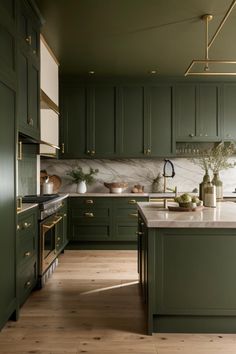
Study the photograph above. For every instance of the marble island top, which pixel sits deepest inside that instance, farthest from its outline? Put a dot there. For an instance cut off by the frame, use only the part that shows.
(223, 216)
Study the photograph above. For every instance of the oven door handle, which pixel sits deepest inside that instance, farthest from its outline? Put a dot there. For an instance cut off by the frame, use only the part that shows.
(48, 227)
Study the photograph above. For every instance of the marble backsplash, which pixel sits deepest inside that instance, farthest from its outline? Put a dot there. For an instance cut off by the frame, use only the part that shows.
(135, 171)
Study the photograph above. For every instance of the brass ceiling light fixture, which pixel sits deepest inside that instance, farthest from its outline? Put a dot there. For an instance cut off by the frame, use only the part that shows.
(211, 62)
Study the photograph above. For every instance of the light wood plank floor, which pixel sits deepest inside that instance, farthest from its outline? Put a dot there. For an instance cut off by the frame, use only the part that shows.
(92, 305)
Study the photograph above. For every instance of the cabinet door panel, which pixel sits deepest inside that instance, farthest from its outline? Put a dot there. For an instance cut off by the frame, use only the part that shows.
(229, 112)
(73, 130)
(103, 122)
(185, 112)
(208, 112)
(7, 201)
(33, 119)
(131, 121)
(9, 6)
(160, 121)
(7, 48)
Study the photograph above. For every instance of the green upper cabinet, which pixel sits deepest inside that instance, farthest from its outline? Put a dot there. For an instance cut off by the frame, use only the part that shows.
(130, 121)
(158, 126)
(229, 111)
(88, 122)
(28, 73)
(197, 112)
(73, 125)
(101, 122)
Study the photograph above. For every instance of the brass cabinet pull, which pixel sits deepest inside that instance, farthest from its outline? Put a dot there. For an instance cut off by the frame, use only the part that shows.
(90, 215)
(26, 225)
(18, 227)
(62, 148)
(30, 121)
(139, 233)
(88, 201)
(27, 254)
(56, 221)
(132, 201)
(20, 154)
(134, 215)
(28, 40)
(28, 283)
(18, 206)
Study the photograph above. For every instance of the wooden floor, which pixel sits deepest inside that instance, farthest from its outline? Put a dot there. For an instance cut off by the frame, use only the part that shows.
(92, 305)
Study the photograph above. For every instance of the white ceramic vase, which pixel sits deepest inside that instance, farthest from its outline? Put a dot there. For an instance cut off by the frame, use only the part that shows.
(81, 187)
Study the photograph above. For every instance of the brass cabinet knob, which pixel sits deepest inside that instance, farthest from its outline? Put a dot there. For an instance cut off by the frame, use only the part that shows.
(58, 239)
(27, 254)
(28, 40)
(139, 233)
(206, 134)
(88, 151)
(93, 152)
(200, 134)
(64, 215)
(30, 121)
(90, 215)
(26, 225)
(148, 151)
(191, 135)
(28, 283)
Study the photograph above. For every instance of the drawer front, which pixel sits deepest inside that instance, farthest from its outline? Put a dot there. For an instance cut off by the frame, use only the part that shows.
(126, 232)
(87, 232)
(126, 208)
(98, 202)
(27, 222)
(90, 214)
(27, 278)
(27, 249)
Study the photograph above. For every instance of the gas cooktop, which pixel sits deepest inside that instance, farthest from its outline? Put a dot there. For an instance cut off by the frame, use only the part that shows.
(39, 198)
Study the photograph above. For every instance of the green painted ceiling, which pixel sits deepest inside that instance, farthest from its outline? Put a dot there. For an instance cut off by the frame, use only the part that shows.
(132, 37)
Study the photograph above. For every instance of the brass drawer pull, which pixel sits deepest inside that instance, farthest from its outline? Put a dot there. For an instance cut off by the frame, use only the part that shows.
(18, 227)
(64, 215)
(139, 233)
(62, 148)
(27, 254)
(28, 284)
(90, 215)
(134, 215)
(132, 201)
(30, 121)
(20, 151)
(88, 201)
(26, 225)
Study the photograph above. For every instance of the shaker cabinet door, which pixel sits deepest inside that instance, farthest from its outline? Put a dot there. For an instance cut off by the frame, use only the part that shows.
(229, 112)
(158, 121)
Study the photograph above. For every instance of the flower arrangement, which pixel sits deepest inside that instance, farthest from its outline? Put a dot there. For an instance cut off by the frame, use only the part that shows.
(78, 175)
(216, 158)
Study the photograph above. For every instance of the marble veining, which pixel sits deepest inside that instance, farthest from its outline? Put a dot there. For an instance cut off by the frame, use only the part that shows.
(221, 216)
(136, 171)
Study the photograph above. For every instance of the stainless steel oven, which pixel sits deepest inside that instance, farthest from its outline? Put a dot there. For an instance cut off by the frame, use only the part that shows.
(48, 241)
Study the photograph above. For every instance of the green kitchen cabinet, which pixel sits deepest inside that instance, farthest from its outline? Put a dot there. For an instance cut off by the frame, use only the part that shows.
(90, 219)
(27, 253)
(103, 219)
(61, 227)
(158, 127)
(229, 111)
(197, 112)
(7, 202)
(73, 125)
(28, 72)
(125, 218)
(130, 121)
(88, 122)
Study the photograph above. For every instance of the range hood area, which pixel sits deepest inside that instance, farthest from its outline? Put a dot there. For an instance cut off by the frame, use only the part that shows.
(49, 110)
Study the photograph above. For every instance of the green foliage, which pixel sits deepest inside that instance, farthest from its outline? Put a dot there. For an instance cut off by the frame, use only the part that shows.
(216, 158)
(78, 175)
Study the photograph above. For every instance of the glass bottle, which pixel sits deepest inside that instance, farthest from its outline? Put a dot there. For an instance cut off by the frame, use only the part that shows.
(216, 181)
(206, 179)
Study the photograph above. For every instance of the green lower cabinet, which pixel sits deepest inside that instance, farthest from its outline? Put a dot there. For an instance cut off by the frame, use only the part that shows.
(61, 228)
(27, 253)
(188, 279)
(105, 219)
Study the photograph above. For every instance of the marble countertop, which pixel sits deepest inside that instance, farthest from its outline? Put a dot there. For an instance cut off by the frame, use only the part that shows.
(26, 206)
(150, 195)
(223, 216)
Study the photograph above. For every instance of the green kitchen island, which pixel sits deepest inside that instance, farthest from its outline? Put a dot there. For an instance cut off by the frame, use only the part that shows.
(187, 268)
